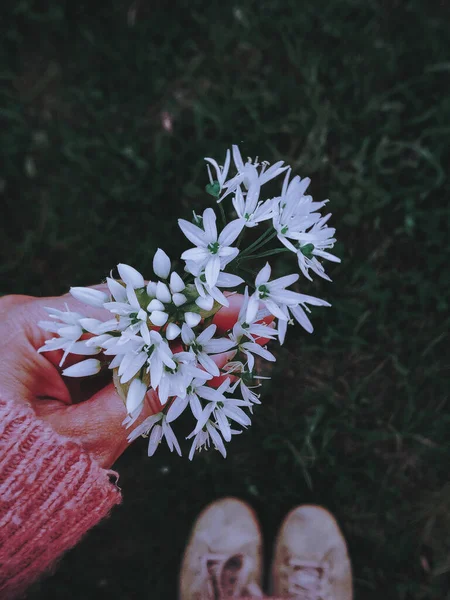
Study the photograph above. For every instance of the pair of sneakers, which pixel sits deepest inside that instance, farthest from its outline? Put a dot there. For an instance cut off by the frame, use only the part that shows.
(223, 558)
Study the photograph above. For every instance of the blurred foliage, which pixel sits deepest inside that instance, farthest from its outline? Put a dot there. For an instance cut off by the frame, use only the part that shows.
(352, 94)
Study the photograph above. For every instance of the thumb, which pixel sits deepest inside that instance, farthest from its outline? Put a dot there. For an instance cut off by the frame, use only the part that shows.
(97, 423)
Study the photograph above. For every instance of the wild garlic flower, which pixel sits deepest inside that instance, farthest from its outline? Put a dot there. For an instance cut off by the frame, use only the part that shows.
(69, 331)
(158, 336)
(203, 346)
(272, 294)
(207, 293)
(215, 186)
(213, 251)
(156, 428)
(312, 246)
(251, 210)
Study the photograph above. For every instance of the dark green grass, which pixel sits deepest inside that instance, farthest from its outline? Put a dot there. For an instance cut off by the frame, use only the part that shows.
(354, 95)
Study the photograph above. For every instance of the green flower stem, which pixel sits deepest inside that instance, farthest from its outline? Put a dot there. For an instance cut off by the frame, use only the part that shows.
(264, 254)
(222, 213)
(261, 241)
(240, 238)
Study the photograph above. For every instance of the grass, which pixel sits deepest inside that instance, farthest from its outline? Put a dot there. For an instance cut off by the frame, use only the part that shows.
(352, 94)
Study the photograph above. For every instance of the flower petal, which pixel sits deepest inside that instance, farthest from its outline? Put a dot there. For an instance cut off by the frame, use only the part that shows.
(231, 231)
(252, 309)
(117, 290)
(208, 363)
(209, 224)
(212, 270)
(263, 275)
(176, 408)
(193, 233)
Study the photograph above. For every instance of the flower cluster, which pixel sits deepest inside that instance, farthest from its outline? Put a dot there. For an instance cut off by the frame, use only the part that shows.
(166, 335)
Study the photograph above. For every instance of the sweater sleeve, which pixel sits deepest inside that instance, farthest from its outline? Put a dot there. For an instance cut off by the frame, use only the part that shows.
(51, 494)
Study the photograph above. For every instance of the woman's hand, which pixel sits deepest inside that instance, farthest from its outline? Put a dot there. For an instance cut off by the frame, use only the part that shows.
(88, 410)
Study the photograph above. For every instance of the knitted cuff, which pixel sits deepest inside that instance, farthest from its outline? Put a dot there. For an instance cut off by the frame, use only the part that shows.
(51, 494)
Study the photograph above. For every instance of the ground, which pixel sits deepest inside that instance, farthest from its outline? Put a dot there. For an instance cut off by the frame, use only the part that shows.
(107, 110)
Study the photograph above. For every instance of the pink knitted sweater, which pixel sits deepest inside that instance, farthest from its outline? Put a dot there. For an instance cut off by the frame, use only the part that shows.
(51, 493)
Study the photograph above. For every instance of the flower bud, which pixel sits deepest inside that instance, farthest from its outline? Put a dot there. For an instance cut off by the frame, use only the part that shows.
(176, 283)
(161, 264)
(91, 366)
(179, 299)
(130, 276)
(158, 318)
(192, 319)
(136, 395)
(89, 296)
(172, 331)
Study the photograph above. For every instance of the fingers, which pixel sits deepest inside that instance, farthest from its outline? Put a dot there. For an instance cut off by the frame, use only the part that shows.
(96, 423)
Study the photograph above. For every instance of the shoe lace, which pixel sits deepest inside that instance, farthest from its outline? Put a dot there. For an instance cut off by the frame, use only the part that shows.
(307, 580)
(228, 576)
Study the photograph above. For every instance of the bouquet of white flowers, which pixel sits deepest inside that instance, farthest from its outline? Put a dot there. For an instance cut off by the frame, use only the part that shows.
(166, 336)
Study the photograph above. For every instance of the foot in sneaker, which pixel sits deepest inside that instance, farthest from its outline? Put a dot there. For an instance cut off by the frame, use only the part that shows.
(223, 558)
(310, 559)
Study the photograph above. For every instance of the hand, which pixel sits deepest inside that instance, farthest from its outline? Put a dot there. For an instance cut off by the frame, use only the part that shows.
(88, 410)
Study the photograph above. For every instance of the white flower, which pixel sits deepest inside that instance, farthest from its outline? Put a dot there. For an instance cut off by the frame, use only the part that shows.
(91, 366)
(246, 173)
(133, 359)
(298, 312)
(207, 293)
(248, 394)
(251, 209)
(205, 436)
(160, 356)
(222, 409)
(212, 252)
(313, 244)
(156, 427)
(296, 212)
(99, 327)
(202, 440)
(89, 296)
(176, 380)
(273, 294)
(203, 345)
(249, 348)
(69, 332)
(195, 390)
(255, 329)
(216, 185)
(132, 315)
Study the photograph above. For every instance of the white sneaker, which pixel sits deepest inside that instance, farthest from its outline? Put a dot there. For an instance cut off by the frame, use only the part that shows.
(310, 559)
(223, 558)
